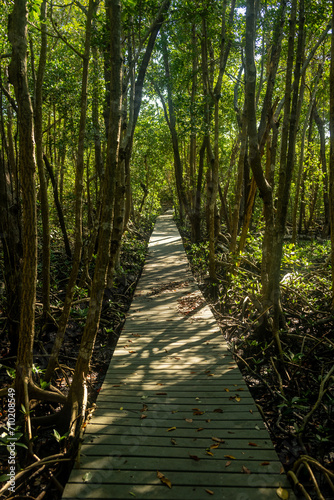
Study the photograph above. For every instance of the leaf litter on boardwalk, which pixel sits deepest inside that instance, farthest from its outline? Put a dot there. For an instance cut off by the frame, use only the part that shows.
(164, 479)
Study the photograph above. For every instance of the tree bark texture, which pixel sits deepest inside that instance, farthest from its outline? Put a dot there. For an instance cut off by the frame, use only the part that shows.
(17, 34)
(40, 165)
(103, 254)
(331, 160)
(79, 180)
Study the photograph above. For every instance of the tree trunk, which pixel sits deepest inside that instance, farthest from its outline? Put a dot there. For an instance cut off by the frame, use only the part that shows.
(10, 233)
(75, 396)
(287, 161)
(40, 165)
(79, 179)
(239, 183)
(171, 121)
(17, 34)
(331, 159)
(58, 207)
(321, 129)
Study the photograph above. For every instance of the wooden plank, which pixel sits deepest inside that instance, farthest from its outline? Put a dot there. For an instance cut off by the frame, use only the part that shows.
(224, 431)
(228, 479)
(182, 441)
(231, 420)
(113, 460)
(161, 492)
(150, 452)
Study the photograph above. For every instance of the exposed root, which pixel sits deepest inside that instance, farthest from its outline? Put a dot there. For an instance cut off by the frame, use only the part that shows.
(309, 463)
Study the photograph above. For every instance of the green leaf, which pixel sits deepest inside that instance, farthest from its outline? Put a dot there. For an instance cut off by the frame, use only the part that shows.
(57, 435)
(87, 477)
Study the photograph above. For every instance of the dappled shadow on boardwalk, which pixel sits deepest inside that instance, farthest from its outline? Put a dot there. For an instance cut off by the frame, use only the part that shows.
(174, 401)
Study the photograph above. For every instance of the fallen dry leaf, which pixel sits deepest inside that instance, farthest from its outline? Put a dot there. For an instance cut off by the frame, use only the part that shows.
(214, 446)
(173, 441)
(237, 398)
(283, 494)
(252, 444)
(210, 492)
(209, 453)
(228, 463)
(218, 410)
(171, 429)
(231, 457)
(143, 416)
(164, 479)
(245, 470)
(200, 429)
(227, 390)
(265, 463)
(189, 420)
(198, 412)
(218, 440)
(194, 457)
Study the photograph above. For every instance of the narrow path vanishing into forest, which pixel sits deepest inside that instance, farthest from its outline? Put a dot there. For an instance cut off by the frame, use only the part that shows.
(174, 417)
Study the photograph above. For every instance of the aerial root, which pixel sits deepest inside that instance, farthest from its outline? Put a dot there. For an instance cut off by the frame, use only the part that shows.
(310, 463)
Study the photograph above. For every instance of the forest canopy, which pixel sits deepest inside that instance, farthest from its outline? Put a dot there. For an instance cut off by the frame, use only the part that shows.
(112, 112)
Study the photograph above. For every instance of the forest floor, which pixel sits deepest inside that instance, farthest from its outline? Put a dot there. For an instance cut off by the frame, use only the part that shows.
(48, 440)
(295, 398)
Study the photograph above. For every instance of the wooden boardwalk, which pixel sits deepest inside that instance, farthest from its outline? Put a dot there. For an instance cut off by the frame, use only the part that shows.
(174, 417)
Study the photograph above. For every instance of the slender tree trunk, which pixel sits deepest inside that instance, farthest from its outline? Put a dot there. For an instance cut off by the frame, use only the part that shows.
(10, 233)
(102, 259)
(95, 116)
(17, 34)
(239, 185)
(321, 129)
(58, 207)
(171, 121)
(331, 160)
(79, 180)
(40, 165)
(10, 228)
(287, 165)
